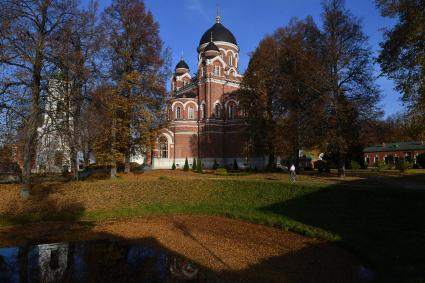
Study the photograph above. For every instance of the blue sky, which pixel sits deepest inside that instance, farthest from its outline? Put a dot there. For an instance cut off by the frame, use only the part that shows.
(182, 23)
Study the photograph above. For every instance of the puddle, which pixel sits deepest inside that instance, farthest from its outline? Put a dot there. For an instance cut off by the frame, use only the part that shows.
(95, 261)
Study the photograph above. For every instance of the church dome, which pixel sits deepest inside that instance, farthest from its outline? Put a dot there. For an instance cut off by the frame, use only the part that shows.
(211, 50)
(182, 67)
(219, 33)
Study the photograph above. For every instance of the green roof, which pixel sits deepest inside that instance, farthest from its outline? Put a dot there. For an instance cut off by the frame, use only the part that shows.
(398, 146)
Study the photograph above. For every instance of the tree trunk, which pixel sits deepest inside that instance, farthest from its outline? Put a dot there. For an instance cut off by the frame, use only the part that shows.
(74, 163)
(28, 149)
(127, 167)
(86, 157)
(30, 137)
(297, 160)
(114, 171)
(272, 161)
(341, 166)
(31, 128)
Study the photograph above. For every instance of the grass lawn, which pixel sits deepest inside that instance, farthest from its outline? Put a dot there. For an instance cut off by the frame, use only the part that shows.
(379, 218)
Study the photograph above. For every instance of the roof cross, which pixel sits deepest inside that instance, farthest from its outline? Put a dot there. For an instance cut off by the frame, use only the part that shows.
(217, 18)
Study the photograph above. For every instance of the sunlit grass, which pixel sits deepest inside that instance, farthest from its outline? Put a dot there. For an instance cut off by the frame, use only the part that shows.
(377, 218)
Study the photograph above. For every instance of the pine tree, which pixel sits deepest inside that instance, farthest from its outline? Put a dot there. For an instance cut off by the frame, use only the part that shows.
(199, 168)
(174, 166)
(186, 165)
(216, 165)
(235, 165)
(194, 166)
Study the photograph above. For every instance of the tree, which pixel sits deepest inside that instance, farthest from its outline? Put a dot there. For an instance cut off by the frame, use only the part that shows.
(186, 165)
(258, 95)
(215, 165)
(199, 168)
(109, 131)
(282, 88)
(307, 88)
(137, 66)
(74, 61)
(402, 57)
(352, 94)
(399, 127)
(301, 92)
(420, 159)
(235, 165)
(194, 166)
(26, 32)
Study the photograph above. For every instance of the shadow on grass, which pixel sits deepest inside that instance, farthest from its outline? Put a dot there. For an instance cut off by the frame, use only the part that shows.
(112, 258)
(42, 208)
(47, 251)
(385, 226)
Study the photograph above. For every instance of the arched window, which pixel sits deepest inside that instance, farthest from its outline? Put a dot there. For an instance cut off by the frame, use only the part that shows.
(232, 110)
(178, 113)
(217, 70)
(163, 147)
(217, 111)
(204, 112)
(190, 115)
(230, 60)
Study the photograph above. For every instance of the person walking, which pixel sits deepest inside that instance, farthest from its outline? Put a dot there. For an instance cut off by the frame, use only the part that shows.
(293, 174)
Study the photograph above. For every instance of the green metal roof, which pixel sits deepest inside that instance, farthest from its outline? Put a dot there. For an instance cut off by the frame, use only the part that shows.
(398, 146)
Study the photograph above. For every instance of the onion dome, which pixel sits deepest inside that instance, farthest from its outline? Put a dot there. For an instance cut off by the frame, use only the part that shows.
(182, 67)
(211, 50)
(219, 33)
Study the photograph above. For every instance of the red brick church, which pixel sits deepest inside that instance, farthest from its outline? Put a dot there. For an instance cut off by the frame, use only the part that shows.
(204, 118)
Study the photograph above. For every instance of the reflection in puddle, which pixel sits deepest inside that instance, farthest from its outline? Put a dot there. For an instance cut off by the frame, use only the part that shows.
(94, 261)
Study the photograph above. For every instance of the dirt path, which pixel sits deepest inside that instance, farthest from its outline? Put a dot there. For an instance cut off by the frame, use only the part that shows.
(233, 250)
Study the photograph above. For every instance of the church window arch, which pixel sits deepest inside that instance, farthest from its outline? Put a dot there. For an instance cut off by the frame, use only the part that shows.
(216, 70)
(163, 147)
(231, 111)
(178, 113)
(217, 111)
(190, 113)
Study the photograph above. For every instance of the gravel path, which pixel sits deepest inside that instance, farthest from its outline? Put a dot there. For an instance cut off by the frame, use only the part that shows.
(233, 250)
